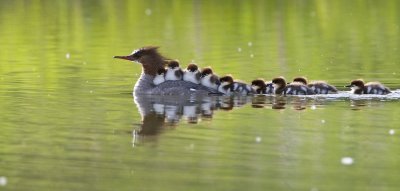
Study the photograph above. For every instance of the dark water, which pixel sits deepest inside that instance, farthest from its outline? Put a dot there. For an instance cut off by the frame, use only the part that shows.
(69, 122)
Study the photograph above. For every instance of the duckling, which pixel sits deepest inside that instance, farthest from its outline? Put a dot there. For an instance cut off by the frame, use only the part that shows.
(261, 87)
(192, 74)
(160, 76)
(359, 87)
(296, 88)
(242, 88)
(209, 79)
(227, 85)
(319, 87)
(174, 72)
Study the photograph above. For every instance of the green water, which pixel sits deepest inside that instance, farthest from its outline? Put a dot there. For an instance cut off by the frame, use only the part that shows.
(69, 122)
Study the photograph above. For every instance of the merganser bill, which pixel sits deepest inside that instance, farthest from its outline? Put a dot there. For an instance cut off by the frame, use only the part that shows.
(209, 79)
(160, 77)
(174, 72)
(261, 87)
(359, 87)
(319, 87)
(296, 88)
(192, 74)
(151, 61)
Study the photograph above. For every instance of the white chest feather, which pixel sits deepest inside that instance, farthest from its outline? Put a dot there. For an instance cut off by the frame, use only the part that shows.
(170, 75)
(191, 77)
(206, 81)
(158, 79)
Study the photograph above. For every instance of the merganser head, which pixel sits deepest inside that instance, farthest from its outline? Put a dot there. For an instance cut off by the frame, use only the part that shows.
(192, 67)
(356, 85)
(301, 80)
(278, 83)
(149, 57)
(206, 71)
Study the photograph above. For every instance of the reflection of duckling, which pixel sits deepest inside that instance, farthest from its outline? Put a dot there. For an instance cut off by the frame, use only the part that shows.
(261, 87)
(172, 114)
(358, 87)
(209, 79)
(280, 87)
(319, 87)
(192, 74)
(159, 108)
(160, 76)
(190, 112)
(226, 87)
(173, 71)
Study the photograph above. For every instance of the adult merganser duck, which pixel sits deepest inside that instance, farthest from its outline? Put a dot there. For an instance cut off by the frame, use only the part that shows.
(174, 72)
(359, 87)
(192, 74)
(209, 79)
(151, 62)
(262, 87)
(319, 87)
(294, 88)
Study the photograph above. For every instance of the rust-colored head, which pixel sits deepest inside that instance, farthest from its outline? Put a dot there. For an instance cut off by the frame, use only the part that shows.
(356, 83)
(192, 67)
(149, 57)
(301, 80)
(279, 81)
(228, 79)
(173, 64)
(206, 71)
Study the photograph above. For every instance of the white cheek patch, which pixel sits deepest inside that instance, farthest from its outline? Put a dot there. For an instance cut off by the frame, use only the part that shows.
(224, 83)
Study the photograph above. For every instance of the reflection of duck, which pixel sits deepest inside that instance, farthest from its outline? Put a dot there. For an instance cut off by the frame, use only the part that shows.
(158, 111)
(151, 62)
(359, 87)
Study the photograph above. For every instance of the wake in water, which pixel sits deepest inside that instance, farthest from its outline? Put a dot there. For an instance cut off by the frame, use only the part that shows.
(395, 95)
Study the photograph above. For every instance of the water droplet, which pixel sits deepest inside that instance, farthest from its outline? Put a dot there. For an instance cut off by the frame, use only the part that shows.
(347, 161)
(313, 107)
(250, 44)
(323, 121)
(239, 49)
(391, 131)
(67, 56)
(91, 91)
(251, 55)
(148, 12)
(258, 139)
(3, 181)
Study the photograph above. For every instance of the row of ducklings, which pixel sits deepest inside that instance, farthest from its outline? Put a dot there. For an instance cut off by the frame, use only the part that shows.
(227, 85)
